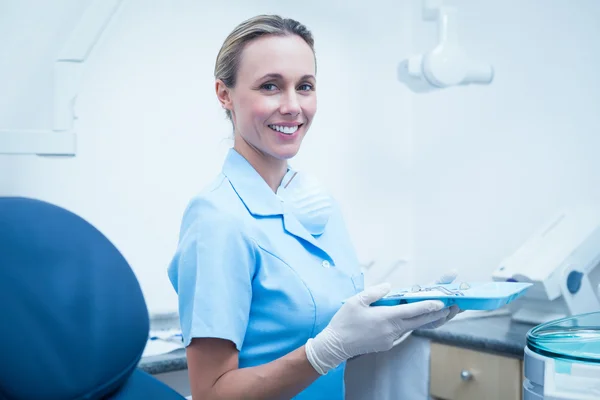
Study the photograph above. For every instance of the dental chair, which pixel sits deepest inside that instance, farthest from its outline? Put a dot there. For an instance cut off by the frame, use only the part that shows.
(73, 321)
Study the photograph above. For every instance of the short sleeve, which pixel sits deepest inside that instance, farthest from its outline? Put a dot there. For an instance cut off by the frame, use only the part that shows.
(212, 274)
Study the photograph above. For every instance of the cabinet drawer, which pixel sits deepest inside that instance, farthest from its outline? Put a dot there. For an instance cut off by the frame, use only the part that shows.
(462, 374)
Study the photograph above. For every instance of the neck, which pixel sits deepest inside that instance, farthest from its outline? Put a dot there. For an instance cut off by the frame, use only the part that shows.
(271, 169)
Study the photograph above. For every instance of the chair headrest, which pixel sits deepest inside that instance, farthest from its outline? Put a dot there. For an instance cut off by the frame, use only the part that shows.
(74, 319)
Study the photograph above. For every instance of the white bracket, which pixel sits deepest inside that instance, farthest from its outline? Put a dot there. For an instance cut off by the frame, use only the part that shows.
(447, 64)
(68, 71)
(584, 299)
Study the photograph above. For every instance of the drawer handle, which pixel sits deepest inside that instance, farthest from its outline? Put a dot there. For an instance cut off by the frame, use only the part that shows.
(466, 375)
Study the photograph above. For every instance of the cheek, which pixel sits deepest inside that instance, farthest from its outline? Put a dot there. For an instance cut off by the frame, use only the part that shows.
(309, 107)
(259, 107)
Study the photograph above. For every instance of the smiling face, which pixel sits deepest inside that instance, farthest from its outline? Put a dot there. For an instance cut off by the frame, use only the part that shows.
(274, 99)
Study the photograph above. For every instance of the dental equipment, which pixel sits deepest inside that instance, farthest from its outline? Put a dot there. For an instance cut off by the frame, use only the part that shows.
(69, 67)
(444, 290)
(447, 64)
(467, 296)
(562, 261)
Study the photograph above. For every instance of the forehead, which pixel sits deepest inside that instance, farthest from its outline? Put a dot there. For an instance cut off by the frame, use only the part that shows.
(288, 55)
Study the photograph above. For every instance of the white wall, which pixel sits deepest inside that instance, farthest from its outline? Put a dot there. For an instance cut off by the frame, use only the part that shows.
(492, 164)
(151, 133)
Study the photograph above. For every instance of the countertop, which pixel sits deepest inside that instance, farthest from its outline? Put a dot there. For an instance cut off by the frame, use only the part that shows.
(173, 361)
(492, 334)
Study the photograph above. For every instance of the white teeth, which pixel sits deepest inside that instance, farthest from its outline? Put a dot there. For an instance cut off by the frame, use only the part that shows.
(288, 130)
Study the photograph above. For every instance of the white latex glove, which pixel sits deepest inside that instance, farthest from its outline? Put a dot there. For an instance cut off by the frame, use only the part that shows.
(448, 277)
(359, 329)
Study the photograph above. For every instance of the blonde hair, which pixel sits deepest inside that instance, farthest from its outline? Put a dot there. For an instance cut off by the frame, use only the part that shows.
(228, 59)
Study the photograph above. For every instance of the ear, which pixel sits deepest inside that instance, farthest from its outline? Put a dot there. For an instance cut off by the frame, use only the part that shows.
(223, 94)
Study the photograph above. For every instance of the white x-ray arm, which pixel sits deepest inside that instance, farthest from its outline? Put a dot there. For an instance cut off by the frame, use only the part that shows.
(446, 64)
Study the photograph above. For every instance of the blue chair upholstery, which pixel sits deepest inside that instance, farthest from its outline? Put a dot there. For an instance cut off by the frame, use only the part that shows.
(74, 320)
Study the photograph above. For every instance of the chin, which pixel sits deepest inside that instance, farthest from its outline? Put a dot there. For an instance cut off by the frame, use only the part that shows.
(286, 152)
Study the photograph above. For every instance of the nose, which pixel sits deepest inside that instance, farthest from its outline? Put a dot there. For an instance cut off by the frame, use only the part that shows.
(290, 103)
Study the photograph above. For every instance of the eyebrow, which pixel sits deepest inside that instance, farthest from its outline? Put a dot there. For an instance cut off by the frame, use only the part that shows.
(279, 76)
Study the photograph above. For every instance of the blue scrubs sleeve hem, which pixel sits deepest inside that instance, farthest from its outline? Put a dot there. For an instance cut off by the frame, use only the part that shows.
(213, 335)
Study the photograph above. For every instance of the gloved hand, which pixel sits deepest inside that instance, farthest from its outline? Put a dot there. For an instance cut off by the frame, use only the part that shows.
(358, 328)
(448, 277)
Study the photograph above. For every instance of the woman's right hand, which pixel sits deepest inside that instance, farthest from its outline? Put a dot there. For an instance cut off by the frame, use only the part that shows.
(357, 328)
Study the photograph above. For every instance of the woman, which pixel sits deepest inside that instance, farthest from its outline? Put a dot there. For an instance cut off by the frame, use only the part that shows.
(264, 262)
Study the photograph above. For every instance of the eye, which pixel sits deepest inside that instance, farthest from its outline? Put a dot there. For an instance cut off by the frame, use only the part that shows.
(269, 87)
(305, 87)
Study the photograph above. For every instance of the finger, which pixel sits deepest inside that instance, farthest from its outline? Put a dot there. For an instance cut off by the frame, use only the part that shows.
(448, 277)
(421, 320)
(410, 310)
(453, 310)
(373, 293)
(435, 324)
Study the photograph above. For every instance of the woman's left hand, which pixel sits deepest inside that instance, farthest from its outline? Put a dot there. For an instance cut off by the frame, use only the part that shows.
(448, 277)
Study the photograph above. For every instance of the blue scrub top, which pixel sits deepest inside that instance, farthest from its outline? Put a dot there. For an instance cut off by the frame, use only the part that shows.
(247, 270)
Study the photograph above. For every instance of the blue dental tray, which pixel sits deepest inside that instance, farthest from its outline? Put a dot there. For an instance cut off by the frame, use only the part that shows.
(478, 295)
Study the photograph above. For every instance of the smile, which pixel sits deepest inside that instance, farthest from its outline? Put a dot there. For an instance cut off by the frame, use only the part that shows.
(288, 130)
